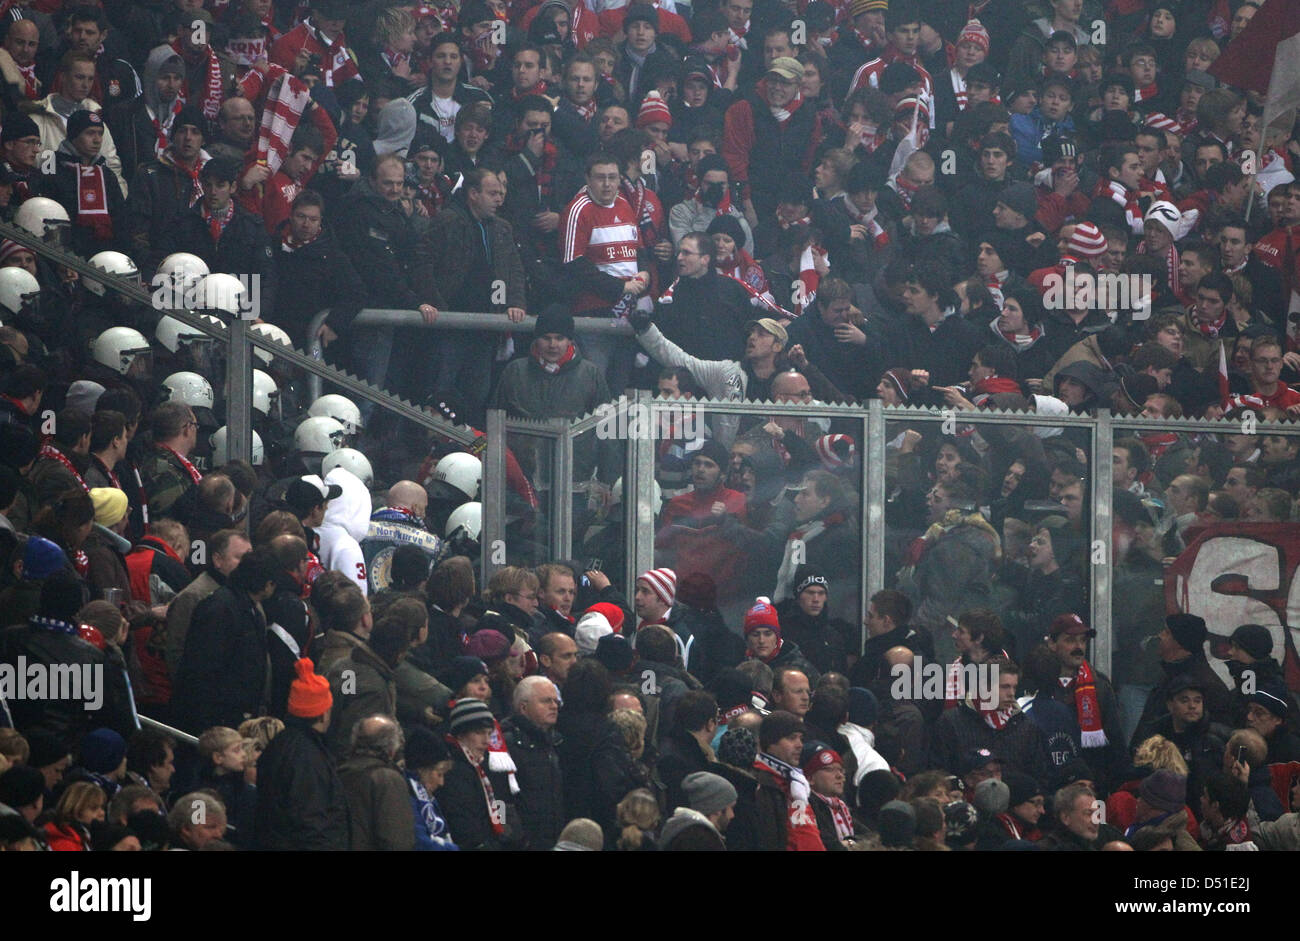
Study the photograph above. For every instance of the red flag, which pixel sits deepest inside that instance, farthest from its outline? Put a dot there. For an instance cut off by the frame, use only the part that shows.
(1249, 60)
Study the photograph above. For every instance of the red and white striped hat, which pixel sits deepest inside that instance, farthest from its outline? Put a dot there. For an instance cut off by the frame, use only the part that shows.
(9, 248)
(1087, 241)
(975, 32)
(663, 582)
(830, 447)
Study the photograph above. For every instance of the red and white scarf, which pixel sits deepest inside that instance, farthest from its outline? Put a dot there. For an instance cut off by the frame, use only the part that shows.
(339, 67)
(840, 815)
(997, 719)
(286, 99)
(586, 112)
(193, 471)
(808, 277)
(108, 472)
(162, 129)
(217, 223)
(1114, 190)
(1087, 709)
(783, 114)
(31, 86)
(393, 59)
(495, 809)
(736, 39)
(213, 93)
(1146, 92)
(50, 452)
(1211, 330)
(637, 196)
(1021, 341)
(793, 780)
(196, 184)
(92, 202)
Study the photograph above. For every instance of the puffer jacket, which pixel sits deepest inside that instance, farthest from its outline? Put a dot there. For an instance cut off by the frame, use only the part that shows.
(541, 797)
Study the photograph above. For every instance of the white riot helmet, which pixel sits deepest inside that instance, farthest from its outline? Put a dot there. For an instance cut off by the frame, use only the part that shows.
(466, 518)
(18, 288)
(265, 392)
(350, 459)
(223, 292)
(111, 263)
(221, 451)
(181, 270)
(171, 333)
(319, 435)
(271, 332)
(122, 349)
(190, 388)
(44, 218)
(457, 476)
(340, 408)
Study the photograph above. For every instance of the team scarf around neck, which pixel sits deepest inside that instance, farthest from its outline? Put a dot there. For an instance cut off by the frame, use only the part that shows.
(495, 811)
(783, 114)
(793, 779)
(637, 197)
(841, 816)
(1087, 709)
(544, 170)
(31, 87)
(54, 454)
(109, 473)
(217, 223)
(193, 471)
(552, 368)
(162, 129)
(997, 719)
(92, 202)
(1021, 341)
(196, 183)
(211, 98)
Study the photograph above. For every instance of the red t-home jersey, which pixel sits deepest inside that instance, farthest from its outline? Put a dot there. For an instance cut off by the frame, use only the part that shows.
(605, 235)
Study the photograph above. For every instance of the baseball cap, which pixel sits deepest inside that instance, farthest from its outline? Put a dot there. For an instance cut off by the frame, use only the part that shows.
(786, 67)
(771, 326)
(306, 492)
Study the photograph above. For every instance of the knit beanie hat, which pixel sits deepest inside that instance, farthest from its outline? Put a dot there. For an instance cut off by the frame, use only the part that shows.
(487, 645)
(708, 793)
(1164, 790)
(738, 747)
(591, 627)
(46, 748)
(110, 505)
(762, 614)
(807, 576)
(728, 225)
(1022, 198)
(663, 582)
(615, 654)
(992, 797)
(1086, 241)
(897, 824)
(82, 119)
(1022, 787)
(22, 785)
(643, 12)
(101, 751)
(1188, 630)
(654, 110)
(835, 451)
(1255, 639)
(42, 558)
(462, 670)
(424, 749)
(975, 32)
(17, 126)
(554, 319)
(309, 693)
(864, 708)
(470, 714)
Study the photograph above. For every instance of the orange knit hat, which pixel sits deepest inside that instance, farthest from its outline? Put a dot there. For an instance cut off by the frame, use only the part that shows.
(309, 694)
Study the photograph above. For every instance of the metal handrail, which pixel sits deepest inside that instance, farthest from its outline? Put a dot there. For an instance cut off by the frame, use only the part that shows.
(156, 726)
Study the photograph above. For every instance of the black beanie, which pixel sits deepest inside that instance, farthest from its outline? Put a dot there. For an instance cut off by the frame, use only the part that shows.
(62, 596)
(555, 319)
(728, 225)
(1188, 629)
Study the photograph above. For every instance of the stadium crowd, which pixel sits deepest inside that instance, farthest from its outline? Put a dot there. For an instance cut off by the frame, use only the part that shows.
(1039, 206)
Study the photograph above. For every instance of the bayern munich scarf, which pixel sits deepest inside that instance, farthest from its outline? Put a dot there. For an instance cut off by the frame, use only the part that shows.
(286, 99)
(190, 469)
(496, 811)
(552, 367)
(52, 453)
(840, 815)
(92, 202)
(793, 779)
(1087, 710)
(211, 97)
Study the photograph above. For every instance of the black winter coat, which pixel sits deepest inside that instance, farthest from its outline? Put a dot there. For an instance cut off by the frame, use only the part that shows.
(822, 639)
(1218, 698)
(679, 755)
(706, 316)
(312, 277)
(300, 800)
(946, 352)
(223, 671)
(67, 719)
(714, 646)
(540, 801)
(387, 250)
(595, 766)
(464, 804)
(1020, 743)
(243, 249)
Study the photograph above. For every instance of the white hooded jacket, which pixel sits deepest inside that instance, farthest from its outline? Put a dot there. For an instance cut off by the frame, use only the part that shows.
(347, 519)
